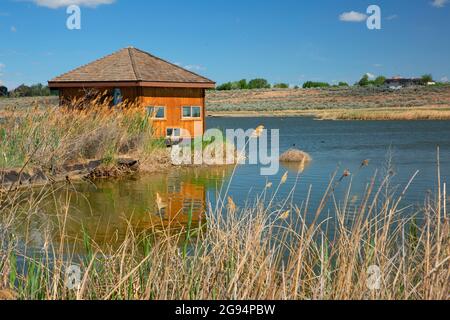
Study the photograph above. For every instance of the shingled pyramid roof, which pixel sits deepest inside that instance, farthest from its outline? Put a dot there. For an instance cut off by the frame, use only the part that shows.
(131, 65)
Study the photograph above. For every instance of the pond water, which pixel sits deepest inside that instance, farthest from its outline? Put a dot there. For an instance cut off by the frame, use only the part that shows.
(149, 202)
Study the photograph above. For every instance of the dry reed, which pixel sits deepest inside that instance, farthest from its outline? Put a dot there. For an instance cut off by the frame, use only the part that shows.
(258, 252)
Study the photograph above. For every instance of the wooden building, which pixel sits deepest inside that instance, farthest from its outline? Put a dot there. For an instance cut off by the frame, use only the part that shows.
(174, 97)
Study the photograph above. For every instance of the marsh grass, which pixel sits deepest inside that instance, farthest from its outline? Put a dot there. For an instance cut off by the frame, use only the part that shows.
(266, 250)
(397, 114)
(270, 249)
(50, 137)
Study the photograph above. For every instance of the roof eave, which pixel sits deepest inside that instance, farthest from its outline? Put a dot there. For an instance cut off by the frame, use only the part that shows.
(112, 84)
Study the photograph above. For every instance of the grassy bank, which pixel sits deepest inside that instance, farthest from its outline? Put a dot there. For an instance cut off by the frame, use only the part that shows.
(353, 103)
(266, 251)
(369, 114)
(49, 138)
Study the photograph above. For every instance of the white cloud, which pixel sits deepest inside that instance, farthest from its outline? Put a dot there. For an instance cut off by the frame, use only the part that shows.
(353, 16)
(370, 75)
(54, 4)
(392, 17)
(377, 65)
(2, 66)
(444, 79)
(439, 3)
(13, 29)
(194, 67)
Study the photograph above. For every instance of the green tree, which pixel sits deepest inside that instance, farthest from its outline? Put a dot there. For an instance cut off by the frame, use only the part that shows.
(22, 91)
(379, 81)
(39, 89)
(281, 86)
(343, 84)
(259, 84)
(364, 81)
(242, 84)
(224, 86)
(313, 84)
(3, 91)
(427, 78)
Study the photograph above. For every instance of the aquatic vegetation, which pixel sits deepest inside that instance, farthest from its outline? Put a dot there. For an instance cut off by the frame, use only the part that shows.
(50, 137)
(295, 155)
(279, 250)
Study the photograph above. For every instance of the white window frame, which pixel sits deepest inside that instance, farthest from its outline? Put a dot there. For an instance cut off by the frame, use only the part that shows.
(191, 117)
(173, 132)
(155, 114)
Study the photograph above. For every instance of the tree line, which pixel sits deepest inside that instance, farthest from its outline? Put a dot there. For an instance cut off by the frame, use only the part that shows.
(259, 83)
(35, 90)
(243, 84)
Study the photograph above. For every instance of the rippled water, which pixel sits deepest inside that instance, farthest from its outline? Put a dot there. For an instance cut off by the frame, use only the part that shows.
(149, 202)
(401, 146)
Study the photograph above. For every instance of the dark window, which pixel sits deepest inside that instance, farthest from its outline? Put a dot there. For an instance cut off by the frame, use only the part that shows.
(173, 132)
(196, 113)
(187, 112)
(117, 96)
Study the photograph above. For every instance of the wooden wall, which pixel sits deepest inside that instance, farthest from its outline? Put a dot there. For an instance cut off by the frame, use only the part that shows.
(172, 98)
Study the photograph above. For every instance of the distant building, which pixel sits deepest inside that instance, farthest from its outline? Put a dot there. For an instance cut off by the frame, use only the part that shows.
(398, 82)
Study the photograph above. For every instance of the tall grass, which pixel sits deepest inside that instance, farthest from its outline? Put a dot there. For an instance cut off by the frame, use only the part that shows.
(263, 251)
(51, 137)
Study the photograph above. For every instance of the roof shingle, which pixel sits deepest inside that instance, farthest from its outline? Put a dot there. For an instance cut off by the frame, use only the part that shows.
(131, 64)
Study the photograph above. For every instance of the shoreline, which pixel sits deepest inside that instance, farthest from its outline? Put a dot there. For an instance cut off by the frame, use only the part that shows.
(431, 113)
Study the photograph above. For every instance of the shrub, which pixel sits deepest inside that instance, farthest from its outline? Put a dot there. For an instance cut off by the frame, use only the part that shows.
(427, 78)
(224, 86)
(36, 90)
(364, 82)
(281, 86)
(379, 81)
(259, 84)
(312, 84)
(3, 91)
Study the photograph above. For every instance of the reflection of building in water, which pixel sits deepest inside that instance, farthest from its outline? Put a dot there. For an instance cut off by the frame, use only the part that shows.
(180, 200)
(108, 209)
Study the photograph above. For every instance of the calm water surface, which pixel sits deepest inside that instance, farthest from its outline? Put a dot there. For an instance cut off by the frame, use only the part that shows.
(152, 201)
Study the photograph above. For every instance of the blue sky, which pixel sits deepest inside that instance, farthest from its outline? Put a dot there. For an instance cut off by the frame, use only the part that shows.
(282, 40)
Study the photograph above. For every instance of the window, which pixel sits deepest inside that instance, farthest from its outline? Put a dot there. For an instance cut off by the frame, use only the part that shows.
(173, 132)
(117, 96)
(157, 112)
(192, 112)
(196, 113)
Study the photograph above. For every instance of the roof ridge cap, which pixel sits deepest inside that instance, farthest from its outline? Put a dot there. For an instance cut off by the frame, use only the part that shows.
(133, 63)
